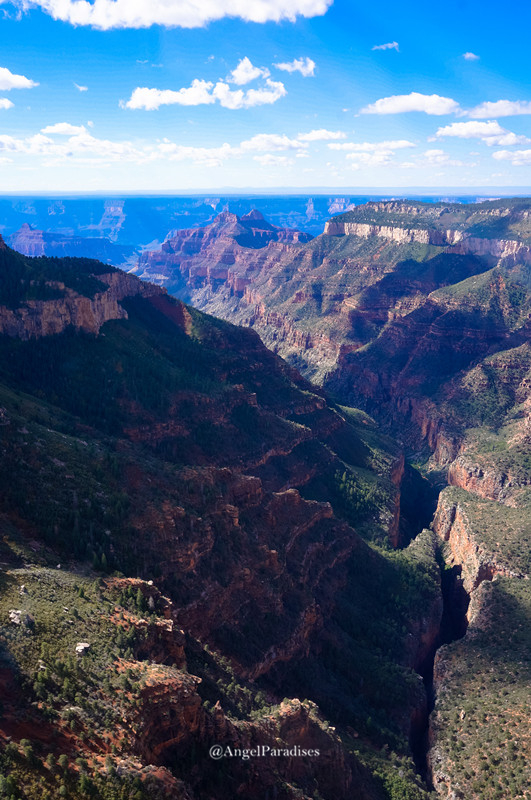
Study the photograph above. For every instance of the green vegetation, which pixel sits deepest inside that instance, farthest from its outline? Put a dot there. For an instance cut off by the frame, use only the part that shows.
(482, 717)
(64, 697)
(23, 279)
(502, 533)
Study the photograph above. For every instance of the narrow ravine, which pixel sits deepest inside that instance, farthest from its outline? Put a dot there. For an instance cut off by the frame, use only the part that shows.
(418, 506)
(453, 626)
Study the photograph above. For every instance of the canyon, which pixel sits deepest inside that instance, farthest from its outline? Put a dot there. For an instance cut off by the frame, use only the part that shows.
(280, 531)
(420, 315)
(151, 440)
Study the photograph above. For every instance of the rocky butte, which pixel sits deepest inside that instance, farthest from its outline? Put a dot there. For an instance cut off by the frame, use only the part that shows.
(420, 315)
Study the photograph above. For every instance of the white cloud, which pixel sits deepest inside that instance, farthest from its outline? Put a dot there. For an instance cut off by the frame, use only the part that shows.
(269, 160)
(199, 93)
(470, 56)
(371, 154)
(246, 72)
(305, 66)
(434, 158)
(379, 158)
(227, 97)
(8, 80)
(489, 132)
(388, 46)
(80, 147)
(203, 156)
(501, 108)
(440, 158)
(205, 93)
(64, 143)
(400, 103)
(5, 103)
(272, 92)
(107, 14)
(321, 135)
(80, 88)
(397, 144)
(518, 158)
(271, 141)
(64, 129)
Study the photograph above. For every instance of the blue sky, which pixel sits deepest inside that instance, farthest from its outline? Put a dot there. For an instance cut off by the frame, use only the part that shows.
(167, 95)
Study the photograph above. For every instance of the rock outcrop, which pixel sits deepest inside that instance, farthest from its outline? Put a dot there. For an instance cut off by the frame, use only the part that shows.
(34, 319)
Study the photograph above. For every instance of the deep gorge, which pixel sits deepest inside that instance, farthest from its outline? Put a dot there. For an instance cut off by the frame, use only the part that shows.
(453, 626)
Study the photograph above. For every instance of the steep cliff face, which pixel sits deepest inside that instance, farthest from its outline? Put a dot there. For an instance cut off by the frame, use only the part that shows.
(488, 481)
(470, 527)
(37, 318)
(480, 682)
(394, 234)
(456, 241)
(81, 299)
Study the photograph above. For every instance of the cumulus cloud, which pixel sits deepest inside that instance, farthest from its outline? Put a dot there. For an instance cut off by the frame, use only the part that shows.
(387, 46)
(489, 132)
(400, 103)
(9, 80)
(379, 158)
(272, 141)
(321, 135)
(305, 66)
(199, 93)
(108, 14)
(228, 98)
(246, 72)
(5, 103)
(64, 129)
(501, 108)
(393, 144)
(470, 56)
(269, 160)
(205, 93)
(518, 158)
(80, 88)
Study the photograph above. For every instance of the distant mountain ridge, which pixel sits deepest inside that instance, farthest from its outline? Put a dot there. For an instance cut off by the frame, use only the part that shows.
(33, 242)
